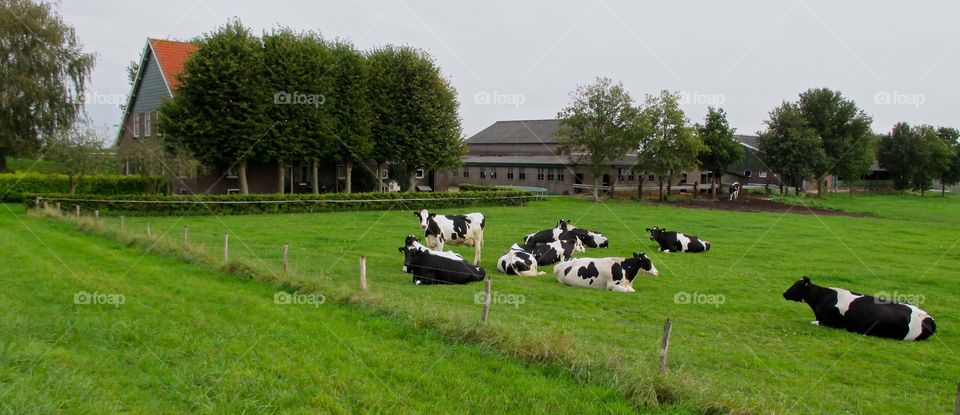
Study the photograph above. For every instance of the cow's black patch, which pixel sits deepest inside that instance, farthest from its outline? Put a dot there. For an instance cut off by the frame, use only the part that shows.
(589, 271)
(616, 271)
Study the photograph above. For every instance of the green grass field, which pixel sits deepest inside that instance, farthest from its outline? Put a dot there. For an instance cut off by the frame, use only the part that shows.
(186, 338)
(736, 342)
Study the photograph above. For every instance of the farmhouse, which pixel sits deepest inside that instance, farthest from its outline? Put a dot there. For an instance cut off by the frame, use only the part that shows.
(526, 153)
(156, 80)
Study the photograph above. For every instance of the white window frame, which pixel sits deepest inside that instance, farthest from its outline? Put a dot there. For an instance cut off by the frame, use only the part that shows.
(232, 173)
(233, 191)
(747, 173)
(305, 173)
(385, 174)
(493, 172)
(136, 125)
(341, 172)
(763, 175)
(147, 125)
(419, 174)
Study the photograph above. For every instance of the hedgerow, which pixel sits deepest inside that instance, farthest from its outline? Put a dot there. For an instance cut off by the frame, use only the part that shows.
(15, 187)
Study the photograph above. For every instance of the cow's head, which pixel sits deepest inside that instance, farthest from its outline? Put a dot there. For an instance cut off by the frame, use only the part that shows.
(798, 291)
(639, 262)
(409, 241)
(654, 232)
(564, 224)
(578, 245)
(424, 217)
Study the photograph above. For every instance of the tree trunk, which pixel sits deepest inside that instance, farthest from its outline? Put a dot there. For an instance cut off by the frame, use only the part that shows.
(3, 159)
(242, 173)
(640, 188)
(660, 195)
(291, 177)
(280, 177)
(670, 185)
(596, 188)
(315, 180)
(820, 188)
(696, 190)
(348, 183)
(380, 176)
(411, 178)
(714, 186)
(73, 185)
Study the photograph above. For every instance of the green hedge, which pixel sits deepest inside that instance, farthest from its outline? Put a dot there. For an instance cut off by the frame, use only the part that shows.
(155, 205)
(470, 187)
(16, 187)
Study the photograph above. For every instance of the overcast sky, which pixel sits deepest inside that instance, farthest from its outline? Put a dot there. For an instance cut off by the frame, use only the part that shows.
(516, 59)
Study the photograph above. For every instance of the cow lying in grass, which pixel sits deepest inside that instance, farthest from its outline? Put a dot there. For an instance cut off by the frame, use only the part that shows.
(864, 314)
(677, 242)
(556, 251)
(454, 230)
(564, 231)
(517, 261)
(614, 274)
(434, 267)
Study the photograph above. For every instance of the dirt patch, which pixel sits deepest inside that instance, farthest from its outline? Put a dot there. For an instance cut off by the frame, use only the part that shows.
(761, 204)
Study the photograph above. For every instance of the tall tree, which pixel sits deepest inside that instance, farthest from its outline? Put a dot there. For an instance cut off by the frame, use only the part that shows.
(845, 132)
(43, 76)
(415, 112)
(900, 154)
(598, 126)
(80, 152)
(221, 109)
(351, 108)
(722, 149)
(936, 157)
(668, 144)
(951, 175)
(791, 146)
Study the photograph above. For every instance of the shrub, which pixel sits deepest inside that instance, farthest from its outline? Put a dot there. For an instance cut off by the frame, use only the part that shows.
(15, 187)
(470, 187)
(153, 205)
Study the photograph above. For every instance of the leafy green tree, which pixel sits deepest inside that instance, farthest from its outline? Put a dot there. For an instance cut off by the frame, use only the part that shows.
(416, 124)
(80, 152)
(598, 127)
(668, 144)
(935, 158)
(350, 105)
(900, 154)
(43, 76)
(950, 176)
(845, 132)
(222, 107)
(791, 146)
(722, 149)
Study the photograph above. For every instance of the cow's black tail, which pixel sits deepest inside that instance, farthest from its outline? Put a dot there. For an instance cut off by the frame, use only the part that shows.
(927, 328)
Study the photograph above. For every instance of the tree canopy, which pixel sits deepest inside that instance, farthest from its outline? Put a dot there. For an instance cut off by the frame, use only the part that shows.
(669, 144)
(791, 146)
(722, 149)
(844, 130)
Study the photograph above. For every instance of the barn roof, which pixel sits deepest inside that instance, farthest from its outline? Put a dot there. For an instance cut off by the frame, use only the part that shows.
(518, 132)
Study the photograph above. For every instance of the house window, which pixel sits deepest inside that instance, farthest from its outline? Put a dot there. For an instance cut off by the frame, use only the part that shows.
(651, 178)
(305, 174)
(703, 177)
(620, 177)
(419, 174)
(550, 174)
(510, 173)
(385, 174)
(232, 173)
(683, 179)
(341, 172)
(147, 125)
(540, 174)
(233, 191)
(466, 172)
(493, 172)
(747, 173)
(560, 176)
(483, 173)
(630, 176)
(522, 174)
(136, 125)
(763, 175)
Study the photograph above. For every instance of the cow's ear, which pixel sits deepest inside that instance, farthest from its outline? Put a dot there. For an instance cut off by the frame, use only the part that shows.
(417, 214)
(806, 280)
(432, 215)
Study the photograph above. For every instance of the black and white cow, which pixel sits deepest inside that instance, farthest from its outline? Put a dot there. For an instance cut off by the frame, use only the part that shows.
(432, 267)
(556, 251)
(735, 191)
(614, 274)
(411, 242)
(564, 231)
(864, 314)
(455, 230)
(677, 242)
(547, 235)
(518, 261)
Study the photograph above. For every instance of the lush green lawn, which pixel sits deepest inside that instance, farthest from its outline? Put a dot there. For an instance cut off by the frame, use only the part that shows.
(190, 339)
(22, 165)
(754, 350)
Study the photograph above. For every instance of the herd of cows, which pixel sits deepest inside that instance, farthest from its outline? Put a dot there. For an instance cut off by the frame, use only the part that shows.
(430, 264)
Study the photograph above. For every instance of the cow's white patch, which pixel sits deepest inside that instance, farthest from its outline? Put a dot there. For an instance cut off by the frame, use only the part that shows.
(844, 298)
(653, 270)
(684, 242)
(916, 319)
(597, 238)
(815, 323)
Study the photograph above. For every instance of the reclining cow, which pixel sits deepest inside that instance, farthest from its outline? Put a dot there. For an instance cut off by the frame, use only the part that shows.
(432, 267)
(614, 274)
(677, 242)
(455, 230)
(413, 243)
(564, 231)
(556, 251)
(734, 191)
(547, 235)
(864, 314)
(517, 261)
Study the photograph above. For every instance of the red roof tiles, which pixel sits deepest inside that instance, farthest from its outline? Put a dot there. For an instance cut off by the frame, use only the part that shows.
(171, 55)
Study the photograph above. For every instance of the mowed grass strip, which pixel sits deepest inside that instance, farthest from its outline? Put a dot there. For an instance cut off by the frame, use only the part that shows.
(736, 342)
(190, 339)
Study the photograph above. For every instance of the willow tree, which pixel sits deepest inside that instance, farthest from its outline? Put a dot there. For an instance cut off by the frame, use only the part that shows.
(43, 76)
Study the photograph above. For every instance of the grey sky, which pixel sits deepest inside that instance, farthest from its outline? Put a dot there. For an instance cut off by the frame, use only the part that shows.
(898, 60)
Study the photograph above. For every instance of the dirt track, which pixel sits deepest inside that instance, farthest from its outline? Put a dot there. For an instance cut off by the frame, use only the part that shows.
(760, 204)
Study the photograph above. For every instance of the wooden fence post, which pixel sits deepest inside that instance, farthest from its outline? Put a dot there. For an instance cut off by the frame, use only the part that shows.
(77, 209)
(96, 215)
(37, 202)
(665, 346)
(226, 247)
(363, 273)
(486, 301)
(286, 256)
(186, 238)
(58, 209)
(149, 234)
(123, 226)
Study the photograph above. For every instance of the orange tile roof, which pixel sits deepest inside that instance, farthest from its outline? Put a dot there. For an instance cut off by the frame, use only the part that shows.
(172, 55)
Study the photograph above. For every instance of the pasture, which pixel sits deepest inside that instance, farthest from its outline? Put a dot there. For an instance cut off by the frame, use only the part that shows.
(736, 342)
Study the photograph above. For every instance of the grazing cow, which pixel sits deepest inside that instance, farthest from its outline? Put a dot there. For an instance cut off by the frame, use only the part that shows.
(517, 261)
(431, 267)
(677, 242)
(556, 251)
(842, 309)
(735, 191)
(614, 274)
(455, 230)
(547, 235)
